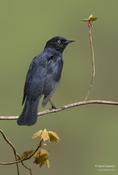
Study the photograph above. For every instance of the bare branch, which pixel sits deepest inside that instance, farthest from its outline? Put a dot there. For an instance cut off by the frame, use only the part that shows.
(26, 167)
(90, 26)
(18, 159)
(65, 107)
(29, 169)
(69, 106)
(27, 158)
(13, 148)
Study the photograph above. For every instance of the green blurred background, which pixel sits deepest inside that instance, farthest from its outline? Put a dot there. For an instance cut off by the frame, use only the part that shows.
(88, 134)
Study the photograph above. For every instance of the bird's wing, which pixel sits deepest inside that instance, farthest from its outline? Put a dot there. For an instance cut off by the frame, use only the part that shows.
(28, 78)
(36, 75)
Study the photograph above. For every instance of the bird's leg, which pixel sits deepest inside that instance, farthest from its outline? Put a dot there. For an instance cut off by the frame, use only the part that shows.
(52, 105)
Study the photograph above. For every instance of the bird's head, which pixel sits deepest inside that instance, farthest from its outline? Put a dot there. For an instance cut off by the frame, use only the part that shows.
(59, 43)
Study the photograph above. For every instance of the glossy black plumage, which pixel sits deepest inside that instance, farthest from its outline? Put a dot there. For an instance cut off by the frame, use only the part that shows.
(42, 78)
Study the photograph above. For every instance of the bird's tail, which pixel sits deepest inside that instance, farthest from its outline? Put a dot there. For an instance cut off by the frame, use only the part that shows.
(29, 114)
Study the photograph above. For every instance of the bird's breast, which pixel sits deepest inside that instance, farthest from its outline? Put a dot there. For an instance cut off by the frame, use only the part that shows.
(54, 69)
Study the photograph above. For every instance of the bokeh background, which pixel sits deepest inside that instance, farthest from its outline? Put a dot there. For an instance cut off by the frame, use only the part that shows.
(89, 134)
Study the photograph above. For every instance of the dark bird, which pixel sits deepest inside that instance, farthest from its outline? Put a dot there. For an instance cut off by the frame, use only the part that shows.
(42, 78)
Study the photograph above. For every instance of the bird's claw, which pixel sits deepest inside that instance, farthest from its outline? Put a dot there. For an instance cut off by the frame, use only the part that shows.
(53, 107)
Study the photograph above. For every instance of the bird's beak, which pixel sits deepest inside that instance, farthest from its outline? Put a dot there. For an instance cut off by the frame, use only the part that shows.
(69, 41)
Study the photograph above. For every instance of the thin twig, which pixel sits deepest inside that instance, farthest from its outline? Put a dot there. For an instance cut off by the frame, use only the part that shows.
(13, 148)
(65, 107)
(15, 153)
(24, 159)
(90, 25)
(26, 167)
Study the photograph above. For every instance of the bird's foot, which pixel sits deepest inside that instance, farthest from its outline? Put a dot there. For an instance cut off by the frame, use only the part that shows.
(53, 107)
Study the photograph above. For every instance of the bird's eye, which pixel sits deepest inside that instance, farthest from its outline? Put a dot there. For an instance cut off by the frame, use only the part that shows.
(59, 41)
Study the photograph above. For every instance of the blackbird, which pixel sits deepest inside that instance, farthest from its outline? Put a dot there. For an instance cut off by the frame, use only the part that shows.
(42, 79)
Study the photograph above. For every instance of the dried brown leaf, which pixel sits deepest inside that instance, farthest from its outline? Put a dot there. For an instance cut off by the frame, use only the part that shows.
(42, 134)
(53, 136)
(91, 18)
(37, 134)
(41, 158)
(26, 154)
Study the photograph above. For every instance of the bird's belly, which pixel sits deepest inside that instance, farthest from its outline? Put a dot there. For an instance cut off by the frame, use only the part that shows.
(49, 86)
